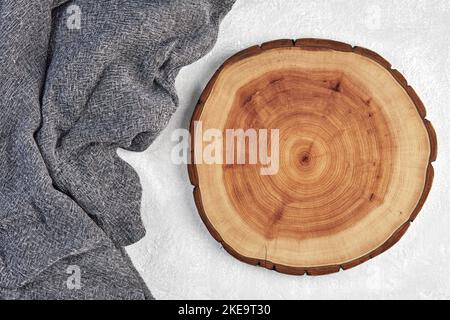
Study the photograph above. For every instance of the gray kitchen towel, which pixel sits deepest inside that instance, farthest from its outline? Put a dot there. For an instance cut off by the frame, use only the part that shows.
(78, 79)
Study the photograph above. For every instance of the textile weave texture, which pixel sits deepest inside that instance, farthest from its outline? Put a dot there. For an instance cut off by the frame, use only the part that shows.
(70, 95)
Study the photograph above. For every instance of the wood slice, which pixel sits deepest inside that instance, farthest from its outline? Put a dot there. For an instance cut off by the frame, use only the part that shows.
(354, 160)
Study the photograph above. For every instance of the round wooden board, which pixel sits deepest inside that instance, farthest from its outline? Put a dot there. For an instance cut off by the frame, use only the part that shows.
(355, 156)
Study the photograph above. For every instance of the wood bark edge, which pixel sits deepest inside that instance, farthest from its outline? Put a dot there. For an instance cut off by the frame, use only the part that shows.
(315, 44)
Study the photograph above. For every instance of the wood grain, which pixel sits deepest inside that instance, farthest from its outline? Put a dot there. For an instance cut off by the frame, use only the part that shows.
(355, 156)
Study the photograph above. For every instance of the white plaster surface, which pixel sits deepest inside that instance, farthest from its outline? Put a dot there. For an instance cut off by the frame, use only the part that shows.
(178, 258)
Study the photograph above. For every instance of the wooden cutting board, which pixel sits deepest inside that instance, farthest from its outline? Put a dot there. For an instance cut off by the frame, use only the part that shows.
(355, 154)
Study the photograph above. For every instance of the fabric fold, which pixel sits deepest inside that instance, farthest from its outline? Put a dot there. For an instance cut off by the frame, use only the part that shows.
(38, 224)
(70, 98)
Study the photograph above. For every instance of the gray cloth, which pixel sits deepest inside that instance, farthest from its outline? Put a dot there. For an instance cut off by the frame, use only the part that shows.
(69, 98)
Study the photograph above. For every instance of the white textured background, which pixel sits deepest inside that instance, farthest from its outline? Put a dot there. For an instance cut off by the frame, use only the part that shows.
(179, 259)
